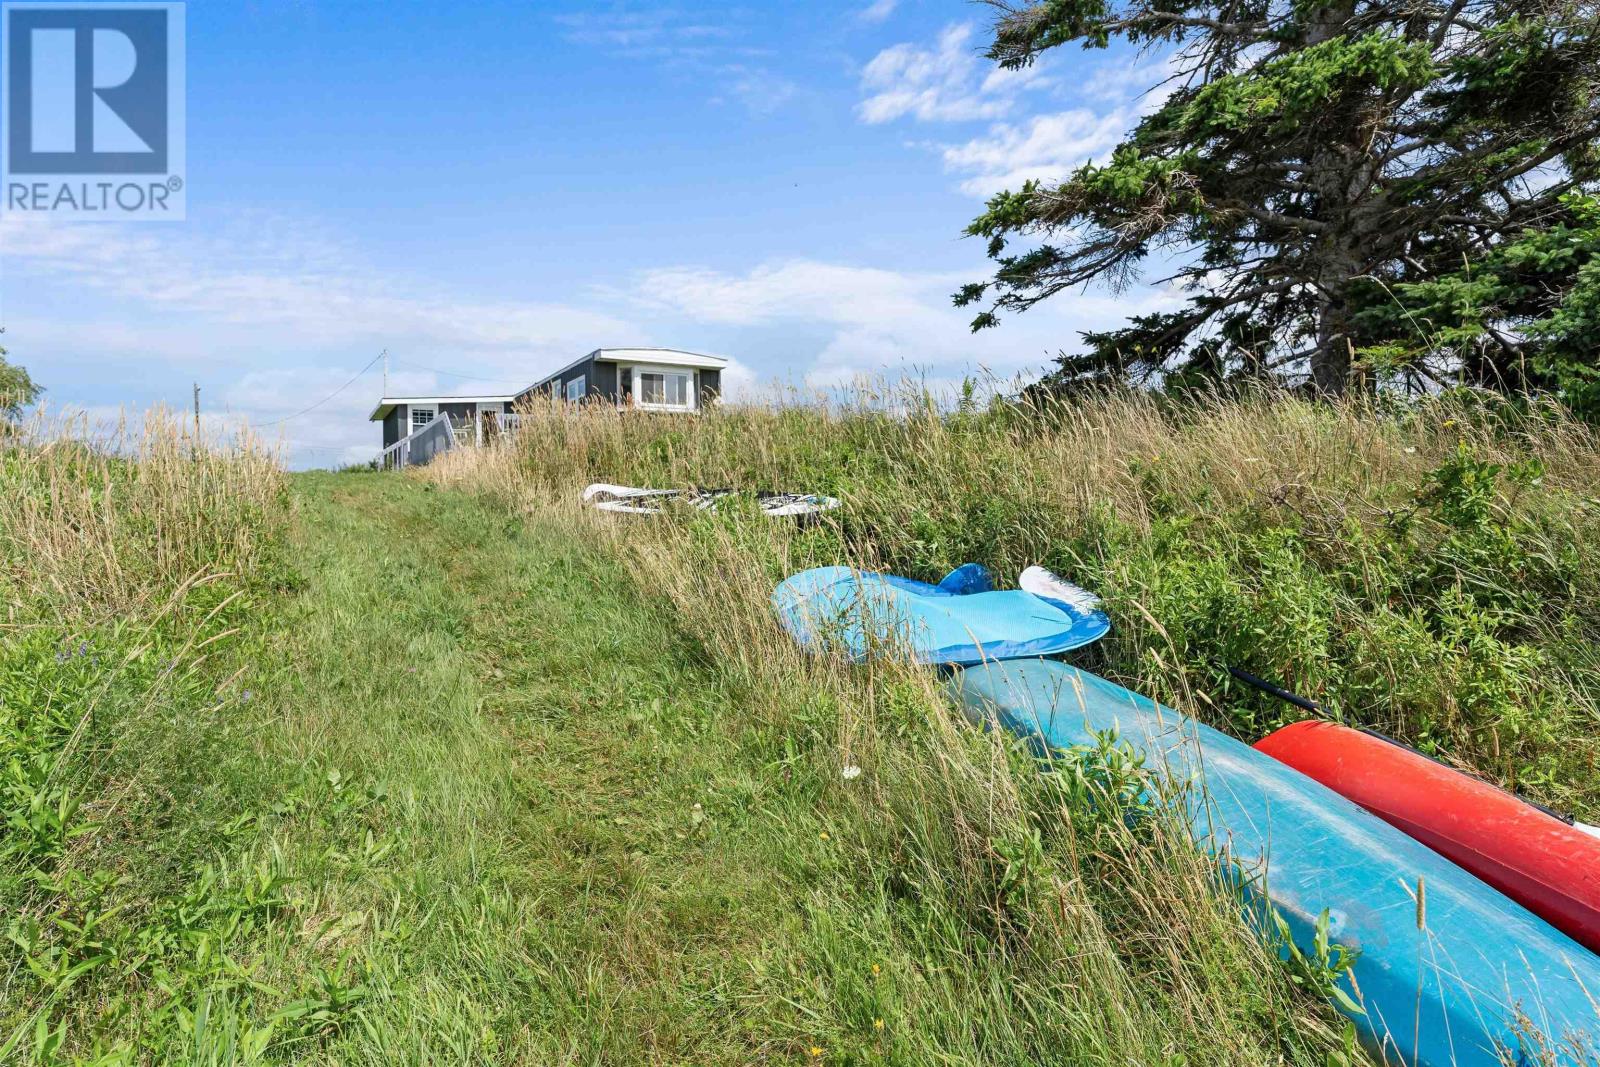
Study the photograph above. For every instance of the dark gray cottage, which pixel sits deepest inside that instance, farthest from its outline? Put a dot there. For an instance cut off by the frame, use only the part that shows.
(654, 379)
(647, 379)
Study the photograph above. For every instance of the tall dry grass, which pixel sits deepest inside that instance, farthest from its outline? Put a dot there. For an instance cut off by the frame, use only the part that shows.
(1052, 929)
(98, 521)
(1430, 570)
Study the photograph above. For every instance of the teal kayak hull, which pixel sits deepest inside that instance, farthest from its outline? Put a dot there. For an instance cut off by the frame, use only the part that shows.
(1460, 988)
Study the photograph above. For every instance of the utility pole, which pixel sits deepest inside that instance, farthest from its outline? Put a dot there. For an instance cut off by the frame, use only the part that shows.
(196, 448)
(385, 372)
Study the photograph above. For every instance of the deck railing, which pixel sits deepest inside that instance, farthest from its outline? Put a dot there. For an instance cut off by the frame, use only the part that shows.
(443, 434)
(420, 446)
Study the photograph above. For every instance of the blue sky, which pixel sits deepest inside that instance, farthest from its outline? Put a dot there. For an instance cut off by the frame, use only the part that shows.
(492, 189)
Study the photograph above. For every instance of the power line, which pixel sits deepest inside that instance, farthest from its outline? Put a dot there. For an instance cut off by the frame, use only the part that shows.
(454, 374)
(327, 448)
(330, 396)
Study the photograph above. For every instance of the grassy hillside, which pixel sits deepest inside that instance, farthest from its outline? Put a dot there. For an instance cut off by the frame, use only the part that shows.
(438, 768)
(1430, 571)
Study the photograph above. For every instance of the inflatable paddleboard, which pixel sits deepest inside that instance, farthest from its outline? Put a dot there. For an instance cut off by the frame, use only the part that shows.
(1447, 989)
(962, 620)
(1535, 857)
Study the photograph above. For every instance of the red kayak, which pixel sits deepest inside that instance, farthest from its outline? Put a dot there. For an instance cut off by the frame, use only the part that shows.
(1545, 863)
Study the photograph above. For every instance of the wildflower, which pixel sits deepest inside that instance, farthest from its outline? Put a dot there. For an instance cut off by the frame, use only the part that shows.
(1411, 451)
(247, 696)
(877, 1024)
(851, 772)
(876, 970)
(815, 1051)
(823, 836)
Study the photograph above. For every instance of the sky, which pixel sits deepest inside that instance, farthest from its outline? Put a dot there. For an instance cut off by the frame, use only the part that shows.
(490, 190)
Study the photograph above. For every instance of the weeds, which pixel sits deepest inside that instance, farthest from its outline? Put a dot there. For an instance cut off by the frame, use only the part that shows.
(500, 781)
(1423, 570)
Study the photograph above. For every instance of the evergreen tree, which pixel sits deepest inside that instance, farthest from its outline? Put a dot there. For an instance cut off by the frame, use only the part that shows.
(1524, 316)
(1315, 160)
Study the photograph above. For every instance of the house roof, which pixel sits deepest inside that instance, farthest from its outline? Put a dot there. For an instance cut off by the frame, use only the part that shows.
(671, 357)
(388, 403)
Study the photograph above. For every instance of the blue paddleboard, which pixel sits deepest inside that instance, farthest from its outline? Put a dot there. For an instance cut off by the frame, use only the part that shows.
(962, 620)
(1445, 993)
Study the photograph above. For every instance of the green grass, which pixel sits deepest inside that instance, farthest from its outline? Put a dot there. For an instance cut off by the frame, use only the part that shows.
(469, 769)
(437, 768)
(430, 781)
(1428, 570)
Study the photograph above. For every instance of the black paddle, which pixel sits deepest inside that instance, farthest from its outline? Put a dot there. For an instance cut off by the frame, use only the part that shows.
(1274, 689)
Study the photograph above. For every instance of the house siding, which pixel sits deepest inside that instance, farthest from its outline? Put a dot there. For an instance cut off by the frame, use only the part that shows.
(605, 379)
(709, 383)
(557, 386)
(391, 426)
(584, 370)
(460, 414)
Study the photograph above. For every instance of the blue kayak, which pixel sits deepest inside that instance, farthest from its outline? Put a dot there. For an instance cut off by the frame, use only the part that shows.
(1446, 993)
(962, 620)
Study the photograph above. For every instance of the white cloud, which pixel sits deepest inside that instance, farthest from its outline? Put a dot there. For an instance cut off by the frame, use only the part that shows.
(878, 10)
(716, 54)
(1045, 147)
(761, 91)
(884, 322)
(1141, 85)
(794, 289)
(269, 316)
(1051, 146)
(948, 82)
(293, 284)
(659, 33)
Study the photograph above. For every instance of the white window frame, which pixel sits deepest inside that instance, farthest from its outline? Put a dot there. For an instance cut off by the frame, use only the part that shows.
(577, 388)
(690, 401)
(418, 409)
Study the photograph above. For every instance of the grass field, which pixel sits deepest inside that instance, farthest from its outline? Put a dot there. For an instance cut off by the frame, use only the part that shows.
(376, 768)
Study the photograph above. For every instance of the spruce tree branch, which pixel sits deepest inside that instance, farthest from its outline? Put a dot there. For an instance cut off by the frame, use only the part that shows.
(1443, 29)
(1251, 29)
(1272, 218)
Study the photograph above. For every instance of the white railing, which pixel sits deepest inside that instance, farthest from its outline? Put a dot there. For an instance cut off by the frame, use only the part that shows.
(420, 446)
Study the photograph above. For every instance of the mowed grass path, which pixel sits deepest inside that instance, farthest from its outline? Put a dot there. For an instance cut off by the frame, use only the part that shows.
(569, 856)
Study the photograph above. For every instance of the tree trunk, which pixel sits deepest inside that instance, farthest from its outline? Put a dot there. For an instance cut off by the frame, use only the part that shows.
(1333, 171)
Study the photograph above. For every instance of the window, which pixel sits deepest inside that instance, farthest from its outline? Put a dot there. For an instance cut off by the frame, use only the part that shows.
(664, 389)
(577, 388)
(420, 417)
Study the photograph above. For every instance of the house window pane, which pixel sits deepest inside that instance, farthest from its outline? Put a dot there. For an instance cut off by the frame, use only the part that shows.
(577, 387)
(669, 390)
(420, 417)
